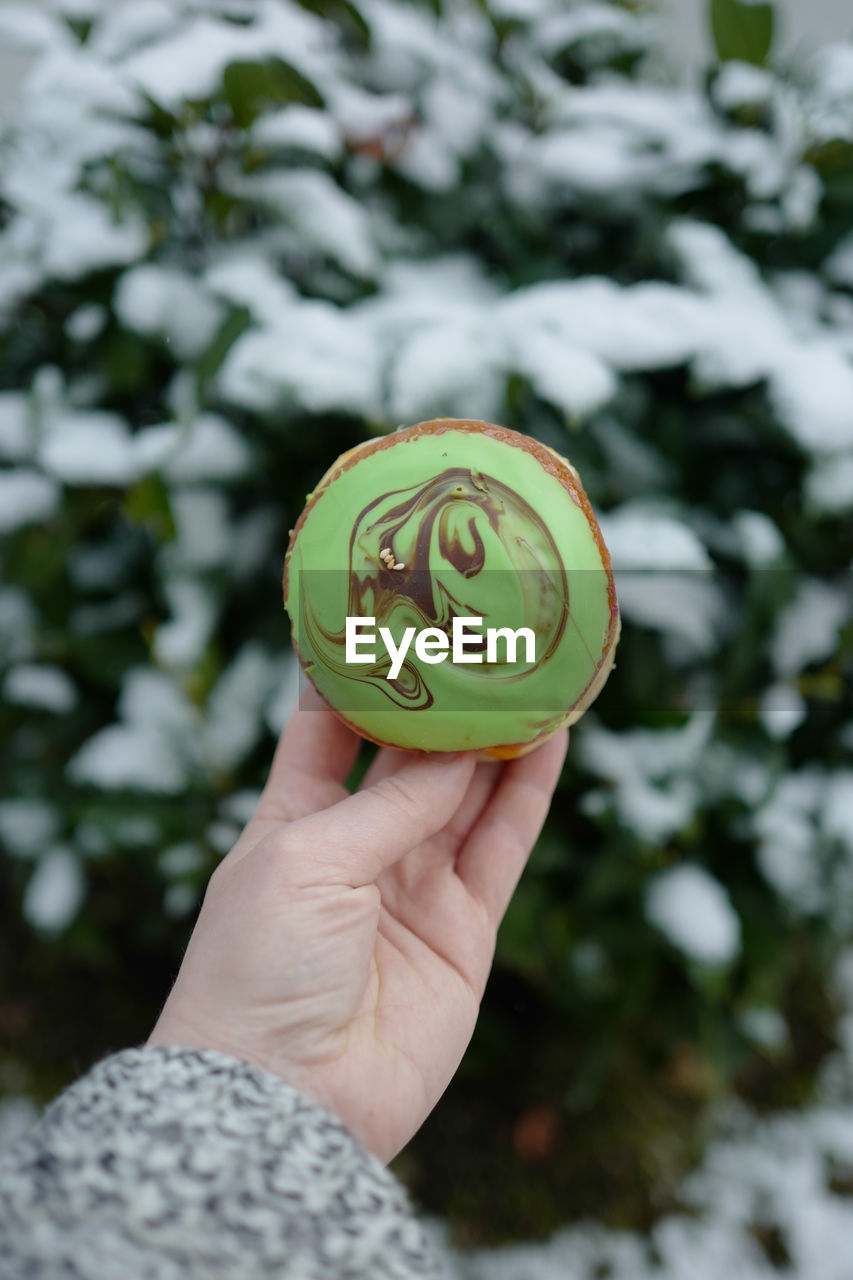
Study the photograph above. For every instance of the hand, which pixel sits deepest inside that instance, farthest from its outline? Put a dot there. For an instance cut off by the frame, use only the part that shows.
(345, 941)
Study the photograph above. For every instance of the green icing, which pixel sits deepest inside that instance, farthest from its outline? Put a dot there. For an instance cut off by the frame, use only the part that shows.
(482, 530)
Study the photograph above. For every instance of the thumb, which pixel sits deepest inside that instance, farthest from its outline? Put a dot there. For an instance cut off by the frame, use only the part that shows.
(356, 839)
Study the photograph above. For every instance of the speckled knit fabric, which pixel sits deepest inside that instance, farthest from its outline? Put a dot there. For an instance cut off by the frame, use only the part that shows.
(176, 1164)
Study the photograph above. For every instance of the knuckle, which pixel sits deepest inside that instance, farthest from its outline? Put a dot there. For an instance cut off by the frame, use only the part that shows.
(402, 797)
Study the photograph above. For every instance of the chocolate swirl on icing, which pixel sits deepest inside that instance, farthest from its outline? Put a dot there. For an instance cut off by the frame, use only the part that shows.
(444, 532)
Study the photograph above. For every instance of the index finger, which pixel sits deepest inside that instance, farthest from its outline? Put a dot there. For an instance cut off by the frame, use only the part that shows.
(494, 855)
(315, 754)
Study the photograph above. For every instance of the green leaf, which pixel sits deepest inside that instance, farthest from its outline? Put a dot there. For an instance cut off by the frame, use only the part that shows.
(742, 32)
(250, 87)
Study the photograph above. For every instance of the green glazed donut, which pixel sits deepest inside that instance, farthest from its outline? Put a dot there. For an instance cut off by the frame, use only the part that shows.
(415, 558)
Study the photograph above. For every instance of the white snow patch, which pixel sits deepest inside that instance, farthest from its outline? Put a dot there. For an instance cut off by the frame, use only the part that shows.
(787, 841)
(287, 686)
(27, 825)
(317, 356)
(201, 520)
(25, 498)
(83, 236)
(321, 213)
(89, 448)
(136, 757)
(694, 912)
(189, 65)
(18, 1114)
(43, 686)
(781, 708)
(240, 806)
(807, 629)
(151, 697)
(829, 484)
(167, 302)
(575, 380)
(17, 438)
(17, 625)
(655, 774)
(181, 859)
(236, 706)
(86, 323)
(740, 84)
(180, 642)
(206, 448)
(758, 538)
(304, 128)
(837, 816)
(55, 891)
(642, 538)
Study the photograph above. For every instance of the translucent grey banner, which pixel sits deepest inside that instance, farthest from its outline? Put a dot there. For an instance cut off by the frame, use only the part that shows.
(717, 635)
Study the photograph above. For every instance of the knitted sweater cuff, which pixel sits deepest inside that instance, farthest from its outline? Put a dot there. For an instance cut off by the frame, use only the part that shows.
(179, 1163)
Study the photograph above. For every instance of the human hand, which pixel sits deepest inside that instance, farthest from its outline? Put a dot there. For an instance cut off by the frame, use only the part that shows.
(345, 941)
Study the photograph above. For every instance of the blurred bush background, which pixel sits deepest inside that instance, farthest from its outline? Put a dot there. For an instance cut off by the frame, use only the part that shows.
(235, 239)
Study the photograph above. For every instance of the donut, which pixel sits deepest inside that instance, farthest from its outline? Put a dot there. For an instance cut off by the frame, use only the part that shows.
(449, 589)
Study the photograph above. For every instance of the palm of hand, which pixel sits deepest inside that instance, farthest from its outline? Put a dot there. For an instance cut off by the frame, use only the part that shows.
(345, 941)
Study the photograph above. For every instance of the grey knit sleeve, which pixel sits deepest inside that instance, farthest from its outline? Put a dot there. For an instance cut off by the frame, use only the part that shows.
(177, 1164)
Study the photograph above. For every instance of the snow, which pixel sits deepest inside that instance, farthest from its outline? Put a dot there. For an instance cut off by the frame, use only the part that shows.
(86, 323)
(89, 448)
(222, 836)
(27, 825)
(452, 369)
(167, 302)
(42, 686)
(640, 537)
(807, 630)
(240, 806)
(787, 841)
(133, 757)
(55, 891)
(765, 1026)
(574, 380)
(760, 542)
(180, 899)
(26, 497)
(83, 237)
(837, 816)
(740, 84)
(181, 859)
(18, 1114)
(781, 708)
(181, 640)
(286, 693)
(201, 520)
(557, 31)
(316, 357)
(323, 216)
(208, 448)
(25, 26)
(655, 774)
(236, 706)
(125, 27)
(811, 390)
(829, 485)
(151, 697)
(18, 625)
(249, 280)
(364, 117)
(636, 327)
(303, 128)
(17, 441)
(694, 912)
(189, 64)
